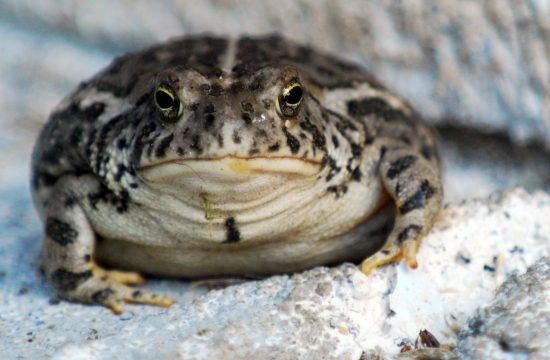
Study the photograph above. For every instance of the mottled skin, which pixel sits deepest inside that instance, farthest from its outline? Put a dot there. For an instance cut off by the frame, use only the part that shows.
(266, 157)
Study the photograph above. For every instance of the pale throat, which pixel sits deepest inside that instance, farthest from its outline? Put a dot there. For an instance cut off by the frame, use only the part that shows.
(252, 189)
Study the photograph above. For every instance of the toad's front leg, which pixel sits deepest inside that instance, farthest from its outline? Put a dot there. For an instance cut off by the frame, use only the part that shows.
(68, 252)
(414, 184)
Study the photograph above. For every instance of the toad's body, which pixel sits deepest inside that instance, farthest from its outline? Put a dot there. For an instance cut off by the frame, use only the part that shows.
(209, 157)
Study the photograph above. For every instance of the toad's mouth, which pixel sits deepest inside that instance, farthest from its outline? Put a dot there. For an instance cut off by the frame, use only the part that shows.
(229, 167)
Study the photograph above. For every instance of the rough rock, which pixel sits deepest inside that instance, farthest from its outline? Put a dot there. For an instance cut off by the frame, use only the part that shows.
(332, 313)
(484, 64)
(516, 323)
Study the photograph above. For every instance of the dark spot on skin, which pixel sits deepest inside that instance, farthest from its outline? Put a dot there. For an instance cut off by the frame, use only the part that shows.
(209, 120)
(332, 189)
(236, 137)
(65, 280)
(195, 144)
(427, 189)
(247, 107)
(95, 198)
(137, 294)
(383, 150)
(209, 108)
(274, 147)
(163, 146)
(76, 136)
(334, 169)
(60, 231)
(45, 178)
(489, 268)
(246, 117)
(117, 88)
(385, 252)
(70, 201)
(426, 152)
(356, 174)
(113, 126)
(292, 142)
(142, 99)
(236, 87)
(400, 165)
(376, 106)
(232, 233)
(319, 140)
(94, 111)
(122, 144)
(121, 202)
(356, 150)
(121, 169)
(53, 153)
(335, 141)
(257, 84)
(408, 232)
(100, 296)
(419, 198)
(87, 258)
(369, 139)
(216, 90)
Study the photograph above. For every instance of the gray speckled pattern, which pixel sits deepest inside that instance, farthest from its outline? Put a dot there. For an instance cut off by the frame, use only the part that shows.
(516, 323)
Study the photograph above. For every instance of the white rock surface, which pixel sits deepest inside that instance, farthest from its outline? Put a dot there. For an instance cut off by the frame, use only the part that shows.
(331, 313)
(477, 63)
(516, 323)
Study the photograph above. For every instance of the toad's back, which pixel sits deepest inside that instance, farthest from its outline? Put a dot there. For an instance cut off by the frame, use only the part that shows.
(205, 156)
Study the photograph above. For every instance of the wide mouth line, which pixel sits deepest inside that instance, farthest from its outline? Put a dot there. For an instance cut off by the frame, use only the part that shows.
(227, 157)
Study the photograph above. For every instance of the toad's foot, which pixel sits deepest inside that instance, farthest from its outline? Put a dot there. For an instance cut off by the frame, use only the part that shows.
(392, 252)
(68, 258)
(124, 277)
(109, 288)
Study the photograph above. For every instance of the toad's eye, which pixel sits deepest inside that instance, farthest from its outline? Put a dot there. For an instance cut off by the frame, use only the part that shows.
(290, 99)
(168, 103)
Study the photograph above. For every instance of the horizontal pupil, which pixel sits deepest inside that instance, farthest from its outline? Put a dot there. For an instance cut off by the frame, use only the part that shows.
(294, 96)
(164, 100)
